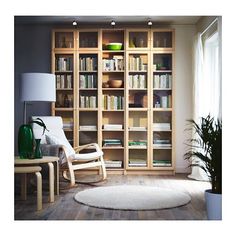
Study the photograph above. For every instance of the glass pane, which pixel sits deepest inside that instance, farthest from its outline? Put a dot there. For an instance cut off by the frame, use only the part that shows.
(64, 40)
(138, 39)
(88, 40)
(162, 39)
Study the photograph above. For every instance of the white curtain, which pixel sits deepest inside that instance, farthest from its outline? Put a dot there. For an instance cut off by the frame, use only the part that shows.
(207, 85)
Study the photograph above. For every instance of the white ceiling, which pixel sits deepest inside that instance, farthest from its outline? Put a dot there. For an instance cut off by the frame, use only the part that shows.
(122, 20)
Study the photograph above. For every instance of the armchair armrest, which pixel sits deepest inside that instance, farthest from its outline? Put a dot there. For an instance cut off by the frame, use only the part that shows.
(95, 145)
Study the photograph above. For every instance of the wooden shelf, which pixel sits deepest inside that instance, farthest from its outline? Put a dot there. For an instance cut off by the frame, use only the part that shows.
(88, 109)
(113, 89)
(114, 71)
(162, 109)
(63, 109)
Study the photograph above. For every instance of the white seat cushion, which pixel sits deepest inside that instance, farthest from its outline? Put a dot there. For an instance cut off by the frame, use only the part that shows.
(88, 156)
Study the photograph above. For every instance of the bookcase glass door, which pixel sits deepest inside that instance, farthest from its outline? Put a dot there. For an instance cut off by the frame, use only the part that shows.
(162, 39)
(64, 40)
(88, 40)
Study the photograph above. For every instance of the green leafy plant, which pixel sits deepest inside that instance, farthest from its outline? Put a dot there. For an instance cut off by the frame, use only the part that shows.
(39, 122)
(207, 147)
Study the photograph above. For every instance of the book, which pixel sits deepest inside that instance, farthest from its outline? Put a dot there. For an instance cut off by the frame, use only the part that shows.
(112, 127)
(88, 127)
(135, 128)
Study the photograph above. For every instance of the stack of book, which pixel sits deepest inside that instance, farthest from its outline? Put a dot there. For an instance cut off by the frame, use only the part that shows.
(113, 164)
(137, 162)
(112, 143)
(88, 128)
(161, 143)
(136, 128)
(161, 126)
(68, 123)
(112, 127)
(161, 163)
(138, 144)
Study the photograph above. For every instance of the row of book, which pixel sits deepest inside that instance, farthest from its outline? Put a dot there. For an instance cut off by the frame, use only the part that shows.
(143, 163)
(88, 81)
(64, 81)
(113, 163)
(111, 127)
(133, 162)
(111, 102)
(161, 143)
(162, 81)
(136, 163)
(163, 101)
(88, 101)
(114, 64)
(64, 64)
(112, 143)
(88, 63)
(159, 163)
(137, 63)
(137, 81)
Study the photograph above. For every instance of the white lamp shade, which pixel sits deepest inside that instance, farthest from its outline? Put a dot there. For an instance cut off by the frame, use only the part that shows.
(38, 87)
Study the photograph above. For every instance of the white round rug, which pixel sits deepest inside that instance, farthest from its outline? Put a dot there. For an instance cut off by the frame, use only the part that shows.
(132, 197)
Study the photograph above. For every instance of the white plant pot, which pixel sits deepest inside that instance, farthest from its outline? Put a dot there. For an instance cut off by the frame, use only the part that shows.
(213, 205)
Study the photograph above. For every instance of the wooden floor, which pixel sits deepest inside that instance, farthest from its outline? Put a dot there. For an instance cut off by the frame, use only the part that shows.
(66, 208)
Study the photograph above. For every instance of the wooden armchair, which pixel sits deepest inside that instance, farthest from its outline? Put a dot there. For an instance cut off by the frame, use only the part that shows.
(55, 143)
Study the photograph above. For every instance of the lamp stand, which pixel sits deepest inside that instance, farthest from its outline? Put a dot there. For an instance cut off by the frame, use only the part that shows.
(25, 104)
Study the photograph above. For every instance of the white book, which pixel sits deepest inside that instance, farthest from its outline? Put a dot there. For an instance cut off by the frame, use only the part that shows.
(135, 128)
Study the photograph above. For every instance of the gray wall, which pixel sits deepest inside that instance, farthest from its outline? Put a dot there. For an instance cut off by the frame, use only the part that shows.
(32, 54)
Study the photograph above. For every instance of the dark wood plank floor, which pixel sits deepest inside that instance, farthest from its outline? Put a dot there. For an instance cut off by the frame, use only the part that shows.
(66, 208)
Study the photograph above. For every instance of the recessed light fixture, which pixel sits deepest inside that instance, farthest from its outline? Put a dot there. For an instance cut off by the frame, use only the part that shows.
(149, 23)
(113, 23)
(74, 23)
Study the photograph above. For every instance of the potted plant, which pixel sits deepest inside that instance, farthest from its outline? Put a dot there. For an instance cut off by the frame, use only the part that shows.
(26, 140)
(206, 151)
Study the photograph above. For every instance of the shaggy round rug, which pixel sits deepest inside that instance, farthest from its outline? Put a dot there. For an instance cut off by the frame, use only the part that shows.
(132, 197)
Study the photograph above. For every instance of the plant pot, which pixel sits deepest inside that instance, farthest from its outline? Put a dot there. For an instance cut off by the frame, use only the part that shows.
(25, 142)
(213, 205)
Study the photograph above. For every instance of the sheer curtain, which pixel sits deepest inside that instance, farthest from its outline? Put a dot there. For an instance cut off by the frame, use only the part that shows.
(207, 85)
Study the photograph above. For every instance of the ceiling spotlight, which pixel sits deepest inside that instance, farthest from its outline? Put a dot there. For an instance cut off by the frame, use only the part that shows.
(113, 23)
(149, 23)
(74, 23)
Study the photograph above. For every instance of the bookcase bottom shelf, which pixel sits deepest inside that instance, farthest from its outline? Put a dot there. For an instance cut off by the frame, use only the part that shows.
(121, 171)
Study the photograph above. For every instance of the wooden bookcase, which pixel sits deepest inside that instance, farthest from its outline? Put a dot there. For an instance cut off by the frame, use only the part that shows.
(134, 124)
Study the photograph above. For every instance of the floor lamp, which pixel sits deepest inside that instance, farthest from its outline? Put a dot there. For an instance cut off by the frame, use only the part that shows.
(37, 87)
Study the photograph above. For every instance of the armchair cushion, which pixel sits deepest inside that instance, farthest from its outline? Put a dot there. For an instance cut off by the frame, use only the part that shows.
(54, 140)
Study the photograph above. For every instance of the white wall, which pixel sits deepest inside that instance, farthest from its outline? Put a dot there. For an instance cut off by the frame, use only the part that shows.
(183, 83)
